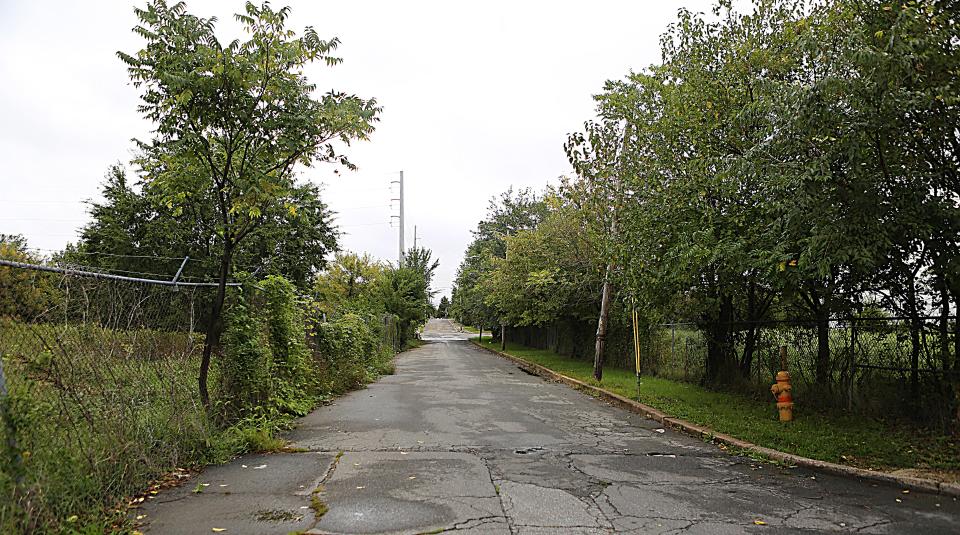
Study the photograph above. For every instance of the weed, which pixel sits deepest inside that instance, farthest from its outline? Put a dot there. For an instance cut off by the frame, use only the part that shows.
(277, 515)
(319, 507)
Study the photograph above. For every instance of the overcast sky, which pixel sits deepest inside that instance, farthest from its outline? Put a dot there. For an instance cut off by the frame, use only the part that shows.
(476, 96)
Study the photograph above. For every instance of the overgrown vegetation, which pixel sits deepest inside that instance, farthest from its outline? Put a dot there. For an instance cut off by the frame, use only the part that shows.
(100, 405)
(795, 165)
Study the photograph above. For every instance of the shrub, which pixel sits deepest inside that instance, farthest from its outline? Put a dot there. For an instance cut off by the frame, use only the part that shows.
(293, 382)
(350, 352)
(246, 362)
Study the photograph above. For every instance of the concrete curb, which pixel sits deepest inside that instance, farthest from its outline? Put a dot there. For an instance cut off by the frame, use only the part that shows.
(912, 483)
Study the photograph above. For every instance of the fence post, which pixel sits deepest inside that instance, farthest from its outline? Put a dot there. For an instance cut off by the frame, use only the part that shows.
(852, 364)
(673, 343)
(10, 428)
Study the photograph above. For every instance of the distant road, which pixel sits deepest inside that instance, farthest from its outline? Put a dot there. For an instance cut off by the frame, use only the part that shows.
(459, 439)
(440, 330)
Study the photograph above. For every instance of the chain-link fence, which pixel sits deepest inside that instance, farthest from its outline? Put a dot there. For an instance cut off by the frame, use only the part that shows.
(878, 366)
(101, 392)
(98, 383)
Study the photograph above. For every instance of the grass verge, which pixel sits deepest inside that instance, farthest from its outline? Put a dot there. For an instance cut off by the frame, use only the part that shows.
(838, 438)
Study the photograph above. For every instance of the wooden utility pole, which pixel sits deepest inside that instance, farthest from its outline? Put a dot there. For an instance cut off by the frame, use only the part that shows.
(603, 321)
(605, 296)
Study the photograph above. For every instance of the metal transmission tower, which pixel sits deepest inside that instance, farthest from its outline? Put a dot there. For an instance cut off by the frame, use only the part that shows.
(400, 200)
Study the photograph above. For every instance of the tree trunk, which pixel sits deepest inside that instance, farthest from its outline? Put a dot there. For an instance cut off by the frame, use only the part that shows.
(944, 324)
(602, 325)
(750, 343)
(914, 314)
(822, 372)
(956, 334)
(503, 337)
(214, 325)
(556, 339)
(749, 347)
(719, 344)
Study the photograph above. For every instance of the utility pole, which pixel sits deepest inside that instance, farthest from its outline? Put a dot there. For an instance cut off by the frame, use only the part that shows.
(414, 236)
(400, 200)
(602, 321)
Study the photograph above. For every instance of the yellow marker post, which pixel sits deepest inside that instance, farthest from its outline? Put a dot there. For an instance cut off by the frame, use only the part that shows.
(636, 348)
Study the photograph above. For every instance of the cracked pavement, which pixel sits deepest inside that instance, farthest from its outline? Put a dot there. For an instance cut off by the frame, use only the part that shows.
(462, 440)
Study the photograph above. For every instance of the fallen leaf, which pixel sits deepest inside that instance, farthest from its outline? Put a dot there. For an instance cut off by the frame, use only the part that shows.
(218, 530)
(899, 500)
(659, 430)
(760, 522)
(261, 467)
(243, 466)
(906, 492)
(72, 518)
(412, 477)
(361, 487)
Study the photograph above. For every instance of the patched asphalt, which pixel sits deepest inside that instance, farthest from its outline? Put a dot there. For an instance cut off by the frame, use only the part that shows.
(461, 440)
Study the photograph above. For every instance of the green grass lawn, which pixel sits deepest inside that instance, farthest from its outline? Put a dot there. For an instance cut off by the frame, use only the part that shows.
(837, 437)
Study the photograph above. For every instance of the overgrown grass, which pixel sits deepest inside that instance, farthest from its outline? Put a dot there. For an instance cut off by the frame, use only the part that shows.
(99, 414)
(835, 437)
(413, 344)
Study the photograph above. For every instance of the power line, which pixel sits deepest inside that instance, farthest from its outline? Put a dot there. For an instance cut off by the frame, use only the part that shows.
(35, 201)
(95, 253)
(42, 219)
(364, 224)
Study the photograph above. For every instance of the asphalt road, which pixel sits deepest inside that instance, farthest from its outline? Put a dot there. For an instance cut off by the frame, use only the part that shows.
(461, 440)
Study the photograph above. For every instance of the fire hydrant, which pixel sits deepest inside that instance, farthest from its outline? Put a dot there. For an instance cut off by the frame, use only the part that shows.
(782, 392)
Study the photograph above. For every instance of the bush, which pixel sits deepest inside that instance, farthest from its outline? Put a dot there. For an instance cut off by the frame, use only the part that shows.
(350, 353)
(293, 383)
(246, 362)
(97, 413)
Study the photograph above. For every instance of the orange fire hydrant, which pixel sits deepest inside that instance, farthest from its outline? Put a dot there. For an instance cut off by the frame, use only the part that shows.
(782, 392)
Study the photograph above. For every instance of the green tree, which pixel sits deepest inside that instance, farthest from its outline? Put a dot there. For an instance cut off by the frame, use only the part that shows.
(349, 284)
(506, 215)
(443, 308)
(24, 294)
(403, 292)
(232, 122)
(132, 232)
(550, 273)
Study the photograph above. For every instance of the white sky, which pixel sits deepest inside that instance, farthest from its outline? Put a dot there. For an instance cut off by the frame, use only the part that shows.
(477, 96)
